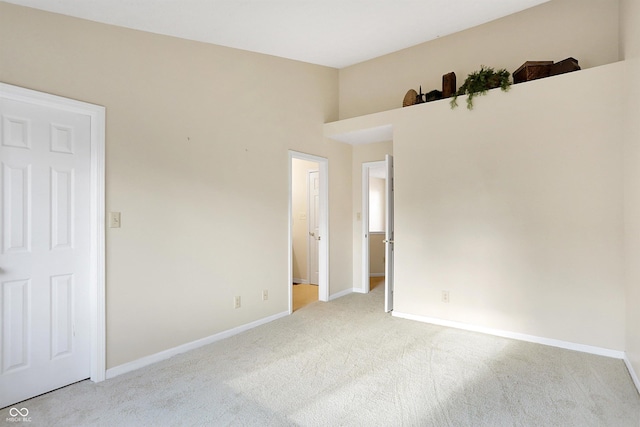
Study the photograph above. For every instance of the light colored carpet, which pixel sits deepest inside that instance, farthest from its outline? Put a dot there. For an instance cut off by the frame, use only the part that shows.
(347, 363)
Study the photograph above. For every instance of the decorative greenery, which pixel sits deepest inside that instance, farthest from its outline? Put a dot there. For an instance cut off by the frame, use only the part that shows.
(478, 82)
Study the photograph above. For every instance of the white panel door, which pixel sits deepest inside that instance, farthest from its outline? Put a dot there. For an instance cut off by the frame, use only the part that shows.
(44, 249)
(314, 227)
(388, 267)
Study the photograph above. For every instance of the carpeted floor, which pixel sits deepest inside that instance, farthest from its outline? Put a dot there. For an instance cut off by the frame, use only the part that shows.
(347, 363)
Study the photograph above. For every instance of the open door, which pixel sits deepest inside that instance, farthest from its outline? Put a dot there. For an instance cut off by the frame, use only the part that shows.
(388, 269)
(313, 209)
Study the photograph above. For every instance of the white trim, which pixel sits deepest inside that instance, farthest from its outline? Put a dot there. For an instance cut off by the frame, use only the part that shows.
(343, 293)
(96, 116)
(365, 286)
(323, 250)
(323, 255)
(389, 234)
(166, 354)
(376, 274)
(634, 377)
(514, 335)
(300, 281)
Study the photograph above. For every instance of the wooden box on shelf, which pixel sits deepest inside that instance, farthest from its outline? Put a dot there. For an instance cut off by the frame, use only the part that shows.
(565, 66)
(449, 85)
(532, 70)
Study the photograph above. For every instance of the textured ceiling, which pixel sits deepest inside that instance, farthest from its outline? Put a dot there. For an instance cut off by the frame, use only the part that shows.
(335, 33)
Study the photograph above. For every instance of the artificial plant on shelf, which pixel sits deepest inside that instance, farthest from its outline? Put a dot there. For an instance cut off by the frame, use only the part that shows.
(478, 82)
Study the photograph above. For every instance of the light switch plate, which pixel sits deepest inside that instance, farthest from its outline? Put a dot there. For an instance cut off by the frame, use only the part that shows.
(114, 219)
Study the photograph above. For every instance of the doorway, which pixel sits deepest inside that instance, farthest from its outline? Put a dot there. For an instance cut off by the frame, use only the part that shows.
(305, 231)
(52, 257)
(377, 227)
(308, 229)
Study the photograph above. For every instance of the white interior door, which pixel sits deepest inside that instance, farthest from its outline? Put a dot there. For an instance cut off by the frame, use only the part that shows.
(389, 235)
(45, 249)
(314, 226)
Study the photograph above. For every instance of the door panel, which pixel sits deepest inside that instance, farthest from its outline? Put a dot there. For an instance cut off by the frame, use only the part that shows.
(61, 209)
(314, 227)
(16, 190)
(62, 315)
(44, 262)
(15, 325)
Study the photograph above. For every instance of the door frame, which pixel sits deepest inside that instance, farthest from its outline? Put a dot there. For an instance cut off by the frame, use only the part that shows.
(366, 167)
(389, 240)
(96, 116)
(323, 249)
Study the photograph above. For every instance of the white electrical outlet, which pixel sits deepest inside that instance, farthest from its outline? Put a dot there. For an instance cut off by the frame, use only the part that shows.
(265, 295)
(236, 302)
(445, 296)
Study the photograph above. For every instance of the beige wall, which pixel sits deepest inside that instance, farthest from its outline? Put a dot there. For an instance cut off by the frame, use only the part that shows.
(196, 161)
(584, 29)
(377, 211)
(630, 50)
(516, 209)
(362, 154)
(299, 204)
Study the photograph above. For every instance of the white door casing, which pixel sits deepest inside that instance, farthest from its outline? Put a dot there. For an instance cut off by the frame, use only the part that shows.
(52, 246)
(313, 211)
(323, 226)
(389, 238)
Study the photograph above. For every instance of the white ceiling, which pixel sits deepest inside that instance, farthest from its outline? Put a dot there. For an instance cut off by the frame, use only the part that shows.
(335, 33)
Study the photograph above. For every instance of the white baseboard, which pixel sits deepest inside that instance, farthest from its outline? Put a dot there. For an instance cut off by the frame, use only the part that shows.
(516, 336)
(166, 354)
(376, 274)
(359, 290)
(300, 281)
(340, 294)
(634, 377)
